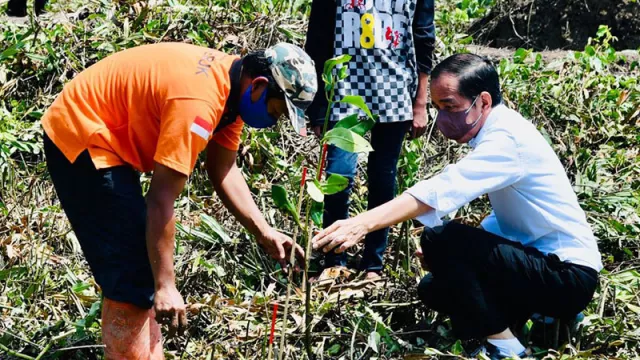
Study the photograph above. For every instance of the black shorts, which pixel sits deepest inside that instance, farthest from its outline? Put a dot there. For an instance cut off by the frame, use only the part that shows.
(107, 212)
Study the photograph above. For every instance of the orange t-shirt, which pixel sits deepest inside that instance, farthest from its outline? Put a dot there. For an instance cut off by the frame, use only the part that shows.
(153, 103)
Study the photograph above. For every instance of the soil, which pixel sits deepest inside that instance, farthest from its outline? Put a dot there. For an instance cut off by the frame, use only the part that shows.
(549, 56)
(558, 24)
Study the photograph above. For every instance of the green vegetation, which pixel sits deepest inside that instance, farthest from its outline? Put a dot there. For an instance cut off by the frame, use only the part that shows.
(587, 104)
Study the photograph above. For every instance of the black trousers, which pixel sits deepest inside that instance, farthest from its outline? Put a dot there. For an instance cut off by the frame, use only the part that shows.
(485, 283)
(19, 7)
(108, 214)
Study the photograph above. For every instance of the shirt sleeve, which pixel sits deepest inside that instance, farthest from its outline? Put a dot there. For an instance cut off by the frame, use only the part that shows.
(494, 164)
(186, 126)
(229, 136)
(424, 34)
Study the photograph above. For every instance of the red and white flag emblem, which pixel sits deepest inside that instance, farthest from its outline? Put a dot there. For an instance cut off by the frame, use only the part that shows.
(202, 128)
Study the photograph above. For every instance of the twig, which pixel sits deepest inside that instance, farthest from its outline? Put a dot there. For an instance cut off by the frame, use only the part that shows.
(16, 336)
(353, 338)
(53, 341)
(15, 353)
(292, 258)
(82, 347)
(604, 298)
(307, 302)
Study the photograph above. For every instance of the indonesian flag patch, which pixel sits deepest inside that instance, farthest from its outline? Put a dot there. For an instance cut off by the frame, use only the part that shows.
(202, 128)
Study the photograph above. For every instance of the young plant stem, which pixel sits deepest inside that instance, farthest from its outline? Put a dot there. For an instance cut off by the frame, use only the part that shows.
(329, 106)
(291, 262)
(307, 302)
(398, 247)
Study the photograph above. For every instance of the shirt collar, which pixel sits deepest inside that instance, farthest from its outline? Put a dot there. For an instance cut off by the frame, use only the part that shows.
(489, 123)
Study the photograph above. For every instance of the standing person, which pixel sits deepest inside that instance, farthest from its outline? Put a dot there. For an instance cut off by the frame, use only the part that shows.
(535, 252)
(155, 108)
(391, 43)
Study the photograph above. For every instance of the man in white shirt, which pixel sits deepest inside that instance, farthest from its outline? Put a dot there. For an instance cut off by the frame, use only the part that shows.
(535, 252)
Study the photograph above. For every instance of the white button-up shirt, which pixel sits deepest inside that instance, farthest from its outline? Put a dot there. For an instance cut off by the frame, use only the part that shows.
(532, 199)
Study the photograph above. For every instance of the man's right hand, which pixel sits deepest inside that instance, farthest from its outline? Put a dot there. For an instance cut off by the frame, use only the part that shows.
(278, 246)
(170, 309)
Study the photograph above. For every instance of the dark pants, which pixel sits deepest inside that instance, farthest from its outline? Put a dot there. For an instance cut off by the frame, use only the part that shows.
(486, 283)
(386, 140)
(107, 212)
(19, 7)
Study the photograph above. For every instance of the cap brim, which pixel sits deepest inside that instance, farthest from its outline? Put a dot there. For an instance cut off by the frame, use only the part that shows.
(297, 117)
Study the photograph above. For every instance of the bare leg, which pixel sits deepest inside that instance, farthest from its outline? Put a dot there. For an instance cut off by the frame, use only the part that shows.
(130, 332)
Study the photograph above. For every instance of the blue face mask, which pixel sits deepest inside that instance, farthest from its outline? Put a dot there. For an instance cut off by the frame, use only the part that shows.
(255, 114)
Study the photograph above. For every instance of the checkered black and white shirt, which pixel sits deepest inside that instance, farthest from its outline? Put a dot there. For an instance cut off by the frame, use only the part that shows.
(378, 35)
(390, 41)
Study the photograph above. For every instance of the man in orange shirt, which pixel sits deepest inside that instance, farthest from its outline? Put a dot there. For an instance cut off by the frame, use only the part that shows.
(155, 108)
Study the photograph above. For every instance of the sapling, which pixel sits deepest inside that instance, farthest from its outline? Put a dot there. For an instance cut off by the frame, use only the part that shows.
(347, 134)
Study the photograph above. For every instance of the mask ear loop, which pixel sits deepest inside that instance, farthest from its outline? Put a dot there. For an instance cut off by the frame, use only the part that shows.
(264, 93)
(473, 103)
(473, 124)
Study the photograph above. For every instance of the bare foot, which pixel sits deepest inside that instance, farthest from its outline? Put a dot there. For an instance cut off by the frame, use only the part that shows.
(372, 275)
(336, 272)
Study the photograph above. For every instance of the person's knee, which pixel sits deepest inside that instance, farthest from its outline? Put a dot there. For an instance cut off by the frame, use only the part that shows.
(431, 241)
(340, 162)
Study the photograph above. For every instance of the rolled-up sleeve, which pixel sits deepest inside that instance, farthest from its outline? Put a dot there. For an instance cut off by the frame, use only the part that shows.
(319, 46)
(493, 165)
(424, 35)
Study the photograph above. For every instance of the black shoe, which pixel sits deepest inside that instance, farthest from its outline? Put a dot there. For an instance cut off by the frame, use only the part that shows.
(492, 352)
(38, 6)
(17, 8)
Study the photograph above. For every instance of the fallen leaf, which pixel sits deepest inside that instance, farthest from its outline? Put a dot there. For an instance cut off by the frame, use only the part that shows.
(11, 253)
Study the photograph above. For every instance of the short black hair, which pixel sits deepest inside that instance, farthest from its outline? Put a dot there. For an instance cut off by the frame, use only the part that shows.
(475, 74)
(256, 64)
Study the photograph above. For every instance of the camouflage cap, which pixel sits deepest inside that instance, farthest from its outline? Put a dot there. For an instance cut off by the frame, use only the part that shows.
(295, 74)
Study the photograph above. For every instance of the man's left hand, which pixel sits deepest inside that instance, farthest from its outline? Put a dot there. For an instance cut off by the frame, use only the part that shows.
(419, 121)
(341, 235)
(278, 246)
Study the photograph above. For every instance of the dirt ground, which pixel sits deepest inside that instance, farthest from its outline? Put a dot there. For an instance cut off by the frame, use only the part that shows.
(549, 56)
(558, 24)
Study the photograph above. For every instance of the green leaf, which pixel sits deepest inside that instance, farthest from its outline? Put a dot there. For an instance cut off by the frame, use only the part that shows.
(342, 73)
(353, 123)
(11, 50)
(347, 140)
(602, 30)
(520, 56)
(195, 234)
(280, 198)
(214, 226)
(313, 189)
(290, 34)
(93, 313)
(37, 57)
(358, 102)
(80, 287)
(466, 40)
(334, 349)
(590, 50)
(456, 349)
(330, 64)
(374, 341)
(317, 210)
(334, 184)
